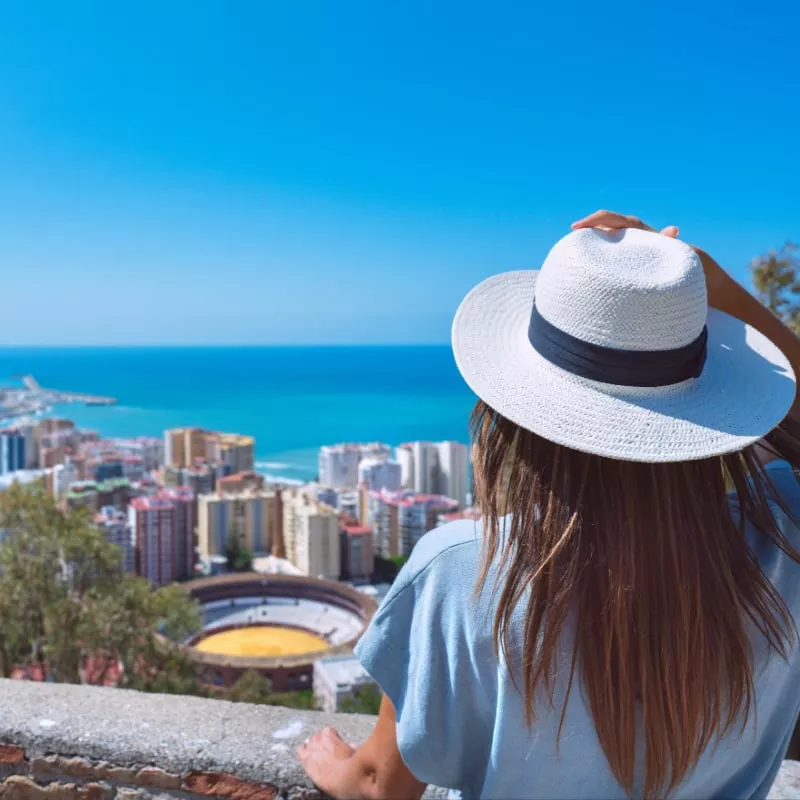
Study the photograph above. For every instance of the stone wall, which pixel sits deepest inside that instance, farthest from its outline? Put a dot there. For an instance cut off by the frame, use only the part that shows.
(63, 742)
(60, 742)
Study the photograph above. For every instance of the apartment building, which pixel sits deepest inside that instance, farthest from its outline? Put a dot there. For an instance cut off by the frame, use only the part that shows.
(114, 524)
(401, 519)
(254, 514)
(356, 550)
(311, 534)
(380, 473)
(152, 521)
(435, 468)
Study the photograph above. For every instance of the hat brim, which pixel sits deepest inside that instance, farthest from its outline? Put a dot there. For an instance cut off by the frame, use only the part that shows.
(746, 388)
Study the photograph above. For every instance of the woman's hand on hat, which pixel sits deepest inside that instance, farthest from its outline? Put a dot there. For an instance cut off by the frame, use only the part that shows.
(718, 281)
(611, 221)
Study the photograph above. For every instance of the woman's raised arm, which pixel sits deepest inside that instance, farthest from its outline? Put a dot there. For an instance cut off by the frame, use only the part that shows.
(724, 292)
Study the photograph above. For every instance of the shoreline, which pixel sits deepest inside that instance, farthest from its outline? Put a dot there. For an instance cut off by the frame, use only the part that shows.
(270, 478)
(292, 404)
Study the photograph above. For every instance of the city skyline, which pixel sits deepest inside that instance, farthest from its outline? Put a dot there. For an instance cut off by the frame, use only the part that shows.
(343, 175)
(194, 500)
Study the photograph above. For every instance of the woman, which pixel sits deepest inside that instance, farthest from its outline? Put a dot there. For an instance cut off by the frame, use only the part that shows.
(620, 626)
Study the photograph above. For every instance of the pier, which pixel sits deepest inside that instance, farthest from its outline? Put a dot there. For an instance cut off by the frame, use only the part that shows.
(36, 399)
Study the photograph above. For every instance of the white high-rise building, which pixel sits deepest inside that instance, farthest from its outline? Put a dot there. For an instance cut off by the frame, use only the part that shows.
(380, 473)
(405, 458)
(435, 468)
(338, 466)
(336, 678)
(151, 450)
(63, 475)
(419, 463)
(426, 467)
(374, 450)
(254, 514)
(453, 468)
(311, 535)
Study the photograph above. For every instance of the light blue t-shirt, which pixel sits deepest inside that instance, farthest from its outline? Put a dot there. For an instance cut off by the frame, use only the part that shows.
(460, 720)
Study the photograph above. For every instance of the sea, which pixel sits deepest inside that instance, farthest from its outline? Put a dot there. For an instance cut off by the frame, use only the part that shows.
(292, 399)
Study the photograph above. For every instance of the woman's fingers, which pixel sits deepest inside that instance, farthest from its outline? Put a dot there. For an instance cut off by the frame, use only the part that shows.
(611, 220)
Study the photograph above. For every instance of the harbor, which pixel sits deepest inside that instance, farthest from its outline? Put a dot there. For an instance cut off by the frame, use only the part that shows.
(32, 399)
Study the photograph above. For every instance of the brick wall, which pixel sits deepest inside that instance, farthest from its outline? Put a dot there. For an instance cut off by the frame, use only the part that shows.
(57, 777)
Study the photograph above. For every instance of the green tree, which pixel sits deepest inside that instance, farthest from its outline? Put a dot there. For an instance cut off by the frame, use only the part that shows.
(11, 642)
(244, 562)
(776, 278)
(367, 700)
(303, 699)
(252, 687)
(385, 570)
(67, 607)
(239, 558)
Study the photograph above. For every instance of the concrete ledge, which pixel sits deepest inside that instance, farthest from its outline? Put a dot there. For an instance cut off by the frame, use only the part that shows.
(787, 784)
(198, 745)
(62, 742)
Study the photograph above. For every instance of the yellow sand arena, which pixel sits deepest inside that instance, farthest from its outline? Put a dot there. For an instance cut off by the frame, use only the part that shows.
(262, 640)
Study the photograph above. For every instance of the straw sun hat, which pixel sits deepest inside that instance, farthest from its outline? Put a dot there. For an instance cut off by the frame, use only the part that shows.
(611, 349)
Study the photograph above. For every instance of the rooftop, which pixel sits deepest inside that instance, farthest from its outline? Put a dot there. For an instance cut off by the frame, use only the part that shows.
(151, 503)
(408, 498)
(342, 670)
(177, 493)
(250, 493)
(272, 565)
(66, 742)
(20, 476)
(109, 484)
(357, 447)
(379, 460)
(356, 530)
(203, 468)
(237, 477)
(233, 439)
(139, 441)
(310, 507)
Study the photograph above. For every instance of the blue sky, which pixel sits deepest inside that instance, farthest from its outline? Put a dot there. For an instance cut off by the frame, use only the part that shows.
(343, 172)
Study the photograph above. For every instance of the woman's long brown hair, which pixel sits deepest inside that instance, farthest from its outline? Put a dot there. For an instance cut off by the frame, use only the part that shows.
(653, 566)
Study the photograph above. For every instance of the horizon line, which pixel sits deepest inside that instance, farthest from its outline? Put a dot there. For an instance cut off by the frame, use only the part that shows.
(209, 345)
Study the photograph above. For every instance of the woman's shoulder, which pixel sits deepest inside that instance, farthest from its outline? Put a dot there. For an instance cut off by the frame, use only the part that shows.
(454, 539)
(446, 556)
(783, 496)
(785, 481)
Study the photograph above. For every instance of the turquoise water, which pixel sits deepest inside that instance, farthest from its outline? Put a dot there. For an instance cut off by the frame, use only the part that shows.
(292, 399)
